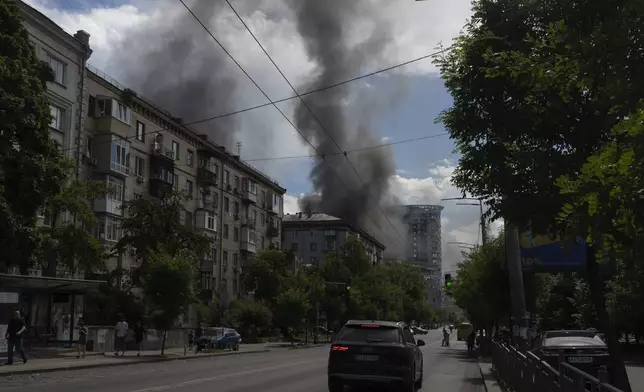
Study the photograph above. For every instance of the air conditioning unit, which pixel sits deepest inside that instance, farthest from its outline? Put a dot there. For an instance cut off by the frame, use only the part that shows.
(140, 180)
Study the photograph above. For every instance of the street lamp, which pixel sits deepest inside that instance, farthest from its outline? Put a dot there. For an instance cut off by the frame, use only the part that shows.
(480, 205)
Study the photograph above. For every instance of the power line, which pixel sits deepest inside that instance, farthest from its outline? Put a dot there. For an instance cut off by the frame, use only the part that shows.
(341, 83)
(264, 93)
(350, 151)
(315, 117)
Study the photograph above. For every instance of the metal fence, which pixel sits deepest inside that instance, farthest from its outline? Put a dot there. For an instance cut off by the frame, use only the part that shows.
(525, 372)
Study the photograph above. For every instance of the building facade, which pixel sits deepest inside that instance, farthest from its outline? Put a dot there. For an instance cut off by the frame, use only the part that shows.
(140, 150)
(310, 236)
(423, 245)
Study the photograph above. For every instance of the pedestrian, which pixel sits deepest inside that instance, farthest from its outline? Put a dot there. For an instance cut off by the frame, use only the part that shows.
(471, 338)
(82, 339)
(445, 338)
(139, 334)
(121, 332)
(15, 329)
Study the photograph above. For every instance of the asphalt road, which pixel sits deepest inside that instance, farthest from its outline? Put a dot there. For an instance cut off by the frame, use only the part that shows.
(282, 370)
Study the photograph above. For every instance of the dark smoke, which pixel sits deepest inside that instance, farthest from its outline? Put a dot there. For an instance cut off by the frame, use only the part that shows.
(327, 28)
(179, 68)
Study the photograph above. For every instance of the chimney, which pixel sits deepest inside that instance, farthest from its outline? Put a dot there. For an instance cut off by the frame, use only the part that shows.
(309, 213)
(300, 215)
(83, 37)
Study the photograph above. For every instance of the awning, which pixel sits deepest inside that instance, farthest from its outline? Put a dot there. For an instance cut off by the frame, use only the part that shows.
(48, 283)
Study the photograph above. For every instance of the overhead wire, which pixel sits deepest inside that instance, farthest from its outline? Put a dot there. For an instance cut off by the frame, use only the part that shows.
(267, 97)
(315, 117)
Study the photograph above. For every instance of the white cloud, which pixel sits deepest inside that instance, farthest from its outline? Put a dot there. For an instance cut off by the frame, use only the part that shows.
(290, 203)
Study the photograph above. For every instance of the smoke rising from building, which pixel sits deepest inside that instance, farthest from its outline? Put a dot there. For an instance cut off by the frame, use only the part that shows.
(328, 29)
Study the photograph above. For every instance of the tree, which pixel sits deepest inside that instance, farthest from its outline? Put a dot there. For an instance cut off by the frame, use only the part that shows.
(31, 166)
(169, 288)
(65, 241)
(251, 318)
(482, 287)
(291, 307)
(154, 223)
(537, 86)
(267, 274)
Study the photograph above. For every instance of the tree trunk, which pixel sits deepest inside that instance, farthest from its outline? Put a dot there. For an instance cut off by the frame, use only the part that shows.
(597, 294)
(165, 332)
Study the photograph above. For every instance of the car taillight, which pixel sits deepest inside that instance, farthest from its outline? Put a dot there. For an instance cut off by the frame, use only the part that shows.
(339, 348)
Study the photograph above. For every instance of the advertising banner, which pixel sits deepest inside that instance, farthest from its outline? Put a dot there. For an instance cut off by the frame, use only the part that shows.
(543, 253)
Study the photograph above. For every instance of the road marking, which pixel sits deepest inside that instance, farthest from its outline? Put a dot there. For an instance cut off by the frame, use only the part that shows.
(222, 376)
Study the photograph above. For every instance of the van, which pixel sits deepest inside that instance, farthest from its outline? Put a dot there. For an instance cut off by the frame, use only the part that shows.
(463, 330)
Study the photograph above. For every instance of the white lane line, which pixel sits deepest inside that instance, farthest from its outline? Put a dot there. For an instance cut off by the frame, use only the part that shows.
(222, 376)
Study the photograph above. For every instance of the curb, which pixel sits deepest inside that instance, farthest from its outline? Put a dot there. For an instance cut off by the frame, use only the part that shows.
(309, 346)
(137, 362)
(482, 375)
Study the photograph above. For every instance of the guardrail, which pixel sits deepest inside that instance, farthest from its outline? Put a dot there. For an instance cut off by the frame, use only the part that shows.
(525, 372)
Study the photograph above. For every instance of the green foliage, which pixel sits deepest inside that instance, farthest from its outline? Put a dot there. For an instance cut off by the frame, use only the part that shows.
(536, 88)
(169, 287)
(564, 303)
(482, 287)
(154, 223)
(291, 307)
(32, 169)
(252, 319)
(107, 302)
(267, 274)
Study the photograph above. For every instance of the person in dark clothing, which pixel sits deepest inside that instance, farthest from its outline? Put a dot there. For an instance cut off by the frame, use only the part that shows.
(139, 333)
(15, 329)
(471, 338)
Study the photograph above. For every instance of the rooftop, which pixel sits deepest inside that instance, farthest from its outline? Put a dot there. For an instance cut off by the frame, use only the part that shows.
(303, 217)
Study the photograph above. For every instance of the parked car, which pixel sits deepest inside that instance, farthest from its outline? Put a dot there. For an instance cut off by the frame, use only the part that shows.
(219, 338)
(584, 350)
(419, 331)
(375, 352)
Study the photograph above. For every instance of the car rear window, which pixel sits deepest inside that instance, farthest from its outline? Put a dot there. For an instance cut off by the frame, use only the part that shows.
(371, 333)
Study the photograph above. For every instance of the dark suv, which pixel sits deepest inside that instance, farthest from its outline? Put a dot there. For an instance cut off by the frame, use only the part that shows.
(375, 352)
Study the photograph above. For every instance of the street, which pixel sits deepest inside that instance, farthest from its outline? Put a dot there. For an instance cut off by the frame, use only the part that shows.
(283, 370)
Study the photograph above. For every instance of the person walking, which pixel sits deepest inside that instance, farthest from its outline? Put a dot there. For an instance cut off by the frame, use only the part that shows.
(81, 346)
(445, 338)
(15, 329)
(121, 332)
(139, 334)
(471, 339)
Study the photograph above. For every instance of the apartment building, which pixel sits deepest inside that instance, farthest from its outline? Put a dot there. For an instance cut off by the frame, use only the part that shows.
(310, 236)
(423, 244)
(143, 151)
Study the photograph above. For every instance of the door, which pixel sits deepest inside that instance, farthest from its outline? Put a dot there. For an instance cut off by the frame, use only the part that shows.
(418, 356)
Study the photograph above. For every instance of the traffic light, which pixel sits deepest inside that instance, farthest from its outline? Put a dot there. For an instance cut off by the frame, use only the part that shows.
(448, 284)
(348, 285)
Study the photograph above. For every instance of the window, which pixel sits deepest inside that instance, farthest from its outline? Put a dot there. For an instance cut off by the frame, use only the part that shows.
(314, 260)
(189, 189)
(237, 182)
(262, 220)
(261, 243)
(252, 187)
(224, 261)
(294, 246)
(226, 205)
(255, 218)
(235, 233)
(56, 117)
(313, 246)
(236, 208)
(175, 150)
(211, 221)
(175, 182)
(263, 196)
(226, 177)
(191, 158)
(235, 286)
(123, 113)
(89, 143)
(116, 188)
(108, 229)
(214, 255)
(120, 161)
(139, 165)
(140, 131)
(225, 231)
(206, 280)
(330, 244)
(138, 196)
(59, 68)
(235, 260)
(188, 218)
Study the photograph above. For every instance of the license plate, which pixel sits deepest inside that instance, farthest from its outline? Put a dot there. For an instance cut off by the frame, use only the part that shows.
(367, 358)
(580, 359)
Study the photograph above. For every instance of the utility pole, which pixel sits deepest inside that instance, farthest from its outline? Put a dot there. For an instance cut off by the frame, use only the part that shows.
(482, 218)
(515, 272)
(317, 313)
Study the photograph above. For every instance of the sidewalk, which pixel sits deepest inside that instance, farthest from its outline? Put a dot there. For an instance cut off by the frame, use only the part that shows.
(70, 362)
(491, 384)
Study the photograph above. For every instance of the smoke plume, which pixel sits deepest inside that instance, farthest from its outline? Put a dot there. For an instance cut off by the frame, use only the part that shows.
(177, 67)
(341, 51)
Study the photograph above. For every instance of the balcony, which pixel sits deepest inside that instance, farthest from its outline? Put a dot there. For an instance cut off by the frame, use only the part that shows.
(107, 205)
(272, 232)
(248, 240)
(249, 196)
(329, 233)
(248, 247)
(159, 187)
(161, 156)
(249, 223)
(273, 207)
(206, 176)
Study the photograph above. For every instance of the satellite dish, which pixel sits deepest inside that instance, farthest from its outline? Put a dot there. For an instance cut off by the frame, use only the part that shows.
(158, 138)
